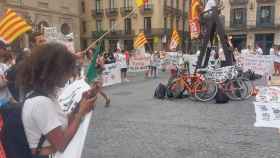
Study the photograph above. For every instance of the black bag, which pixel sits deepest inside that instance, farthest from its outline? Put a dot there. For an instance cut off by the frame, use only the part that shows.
(221, 97)
(13, 136)
(160, 91)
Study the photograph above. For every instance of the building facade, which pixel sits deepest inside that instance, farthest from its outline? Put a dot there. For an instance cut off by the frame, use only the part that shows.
(156, 19)
(62, 14)
(253, 22)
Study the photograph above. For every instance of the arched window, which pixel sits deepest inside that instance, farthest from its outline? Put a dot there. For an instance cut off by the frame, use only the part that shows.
(65, 29)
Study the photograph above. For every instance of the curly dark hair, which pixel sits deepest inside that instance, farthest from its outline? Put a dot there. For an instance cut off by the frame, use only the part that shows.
(46, 68)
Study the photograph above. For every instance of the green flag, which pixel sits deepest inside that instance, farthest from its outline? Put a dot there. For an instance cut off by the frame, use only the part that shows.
(92, 73)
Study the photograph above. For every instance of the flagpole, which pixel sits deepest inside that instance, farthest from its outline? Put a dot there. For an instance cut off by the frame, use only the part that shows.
(106, 33)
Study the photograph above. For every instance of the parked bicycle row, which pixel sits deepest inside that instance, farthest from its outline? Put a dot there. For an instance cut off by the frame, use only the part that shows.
(222, 84)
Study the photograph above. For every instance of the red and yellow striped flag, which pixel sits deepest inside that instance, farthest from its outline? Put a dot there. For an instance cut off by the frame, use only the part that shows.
(175, 40)
(140, 3)
(140, 40)
(12, 26)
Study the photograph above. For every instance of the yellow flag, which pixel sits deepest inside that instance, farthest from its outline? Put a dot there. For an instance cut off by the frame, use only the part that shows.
(140, 3)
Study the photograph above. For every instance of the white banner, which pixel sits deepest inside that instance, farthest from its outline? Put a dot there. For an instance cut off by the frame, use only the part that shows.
(69, 99)
(51, 33)
(111, 74)
(268, 94)
(260, 64)
(139, 62)
(267, 114)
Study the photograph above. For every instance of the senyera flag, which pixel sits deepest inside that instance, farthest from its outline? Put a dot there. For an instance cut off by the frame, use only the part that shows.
(140, 3)
(175, 40)
(194, 24)
(140, 40)
(12, 26)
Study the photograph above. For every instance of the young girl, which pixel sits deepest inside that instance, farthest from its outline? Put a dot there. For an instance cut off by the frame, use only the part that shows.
(47, 70)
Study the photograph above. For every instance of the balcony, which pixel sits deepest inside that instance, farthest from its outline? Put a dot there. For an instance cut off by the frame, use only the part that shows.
(168, 10)
(126, 10)
(110, 12)
(97, 34)
(147, 9)
(114, 34)
(238, 2)
(97, 13)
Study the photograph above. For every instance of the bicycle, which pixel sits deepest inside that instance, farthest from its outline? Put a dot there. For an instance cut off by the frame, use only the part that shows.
(231, 82)
(196, 86)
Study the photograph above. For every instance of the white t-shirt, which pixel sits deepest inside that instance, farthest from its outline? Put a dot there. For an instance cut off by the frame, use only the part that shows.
(209, 5)
(122, 60)
(259, 51)
(40, 116)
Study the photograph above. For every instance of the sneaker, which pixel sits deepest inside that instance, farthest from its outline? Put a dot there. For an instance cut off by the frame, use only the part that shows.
(126, 80)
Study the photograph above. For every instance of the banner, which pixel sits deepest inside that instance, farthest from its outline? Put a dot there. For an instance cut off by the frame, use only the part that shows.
(267, 114)
(268, 94)
(260, 64)
(69, 99)
(139, 62)
(194, 15)
(111, 74)
(50, 34)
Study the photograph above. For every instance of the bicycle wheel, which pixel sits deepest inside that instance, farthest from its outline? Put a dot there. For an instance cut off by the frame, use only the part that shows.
(250, 86)
(236, 89)
(205, 90)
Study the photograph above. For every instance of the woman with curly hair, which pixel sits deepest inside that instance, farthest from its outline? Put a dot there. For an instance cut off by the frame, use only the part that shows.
(44, 72)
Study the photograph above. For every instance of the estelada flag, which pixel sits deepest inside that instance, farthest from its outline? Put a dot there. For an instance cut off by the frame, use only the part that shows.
(140, 3)
(12, 26)
(140, 40)
(175, 40)
(194, 24)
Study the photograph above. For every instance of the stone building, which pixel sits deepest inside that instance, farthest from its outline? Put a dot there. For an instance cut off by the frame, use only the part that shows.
(253, 22)
(62, 14)
(156, 19)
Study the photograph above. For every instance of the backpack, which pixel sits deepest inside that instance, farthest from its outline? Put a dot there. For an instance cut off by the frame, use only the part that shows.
(13, 136)
(221, 97)
(160, 91)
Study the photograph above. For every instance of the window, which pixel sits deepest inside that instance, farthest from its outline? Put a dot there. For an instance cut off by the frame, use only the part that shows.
(112, 3)
(147, 24)
(238, 16)
(177, 4)
(98, 5)
(84, 27)
(265, 15)
(83, 6)
(165, 23)
(65, 29)
(171, 22)
(127, 26)
(127, 3)
(171, 3)
(112, 25)
(128, 44)
(98, 25)
(177, 23)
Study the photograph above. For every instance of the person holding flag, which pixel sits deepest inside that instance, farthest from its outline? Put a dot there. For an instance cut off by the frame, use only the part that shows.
(94, 71)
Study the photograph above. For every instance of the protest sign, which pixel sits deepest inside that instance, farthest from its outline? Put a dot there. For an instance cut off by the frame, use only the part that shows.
(268, 94)
(267, 114)
(69, 99)
(111, 74)
(50, 34)
(139, 62)
(260, 64)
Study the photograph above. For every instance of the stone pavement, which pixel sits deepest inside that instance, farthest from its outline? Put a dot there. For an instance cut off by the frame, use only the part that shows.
(139, 126)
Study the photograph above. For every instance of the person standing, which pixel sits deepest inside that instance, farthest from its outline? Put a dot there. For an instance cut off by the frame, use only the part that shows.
(123, 66)
(47, 70)
(259, 50)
